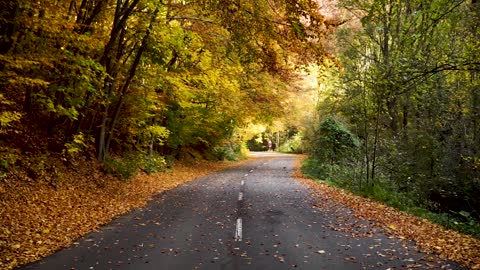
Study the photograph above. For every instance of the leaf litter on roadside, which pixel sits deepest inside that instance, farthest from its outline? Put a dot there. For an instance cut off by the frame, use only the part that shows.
(429, 237)
(36, 219)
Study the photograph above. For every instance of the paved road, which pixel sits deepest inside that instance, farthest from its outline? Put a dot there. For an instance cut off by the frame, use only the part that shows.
(254, 216)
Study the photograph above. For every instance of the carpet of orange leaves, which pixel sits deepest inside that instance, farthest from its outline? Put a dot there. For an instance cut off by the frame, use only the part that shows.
(429, 237)
(36, 218)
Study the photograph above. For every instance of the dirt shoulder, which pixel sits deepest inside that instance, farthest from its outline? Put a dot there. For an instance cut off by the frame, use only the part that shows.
(38, 218)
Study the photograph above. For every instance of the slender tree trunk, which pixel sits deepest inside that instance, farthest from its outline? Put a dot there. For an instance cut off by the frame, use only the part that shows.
(152, 142)
(111, 128)
(27, 104)
(87, 15)
(365, 128)
(131, 75)
(72, 7)
(101, 150)
(8, 27)
(367, 158)
(82, 11)
(375, 143)
(109, 60)
(78, 124)
(405, 116)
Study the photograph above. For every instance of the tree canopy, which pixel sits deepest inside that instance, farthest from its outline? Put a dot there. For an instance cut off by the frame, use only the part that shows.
(409, 87)
(97, 78)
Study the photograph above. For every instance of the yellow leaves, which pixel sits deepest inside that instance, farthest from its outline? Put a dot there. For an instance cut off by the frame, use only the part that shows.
(7, 118)
(20, 81)
(37, 220)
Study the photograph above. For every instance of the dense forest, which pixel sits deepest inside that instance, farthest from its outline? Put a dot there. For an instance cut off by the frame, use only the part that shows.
(399, 120)
(146, 81)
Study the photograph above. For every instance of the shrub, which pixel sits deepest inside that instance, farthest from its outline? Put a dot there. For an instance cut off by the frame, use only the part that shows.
(124, 167)
(382, 190)
(333, 142)
(231, 152)
(293, 144)
(154, 163)
(77, 146)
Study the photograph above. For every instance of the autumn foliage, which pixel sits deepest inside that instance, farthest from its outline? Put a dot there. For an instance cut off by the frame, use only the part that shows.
(38, 218)
(429, 237)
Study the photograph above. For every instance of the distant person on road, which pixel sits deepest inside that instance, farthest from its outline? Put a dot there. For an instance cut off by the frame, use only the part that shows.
(269, 145)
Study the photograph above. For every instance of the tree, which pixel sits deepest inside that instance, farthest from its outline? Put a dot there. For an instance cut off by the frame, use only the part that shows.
(409, 76)
(112, 72)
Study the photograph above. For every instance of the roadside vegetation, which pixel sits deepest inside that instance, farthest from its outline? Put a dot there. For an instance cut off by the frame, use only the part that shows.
(123, 92)
(383, 95)
(137, 84)
(398, 121)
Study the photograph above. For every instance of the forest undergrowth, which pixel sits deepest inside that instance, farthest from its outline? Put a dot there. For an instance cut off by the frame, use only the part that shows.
(430, 237)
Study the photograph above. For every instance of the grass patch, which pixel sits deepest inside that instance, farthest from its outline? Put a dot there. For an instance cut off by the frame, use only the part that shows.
(382, 191)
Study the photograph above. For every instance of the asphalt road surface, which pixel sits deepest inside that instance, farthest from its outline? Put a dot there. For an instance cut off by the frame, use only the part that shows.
(255, 216)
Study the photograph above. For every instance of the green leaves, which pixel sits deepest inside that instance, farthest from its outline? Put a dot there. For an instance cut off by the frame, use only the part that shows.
(408, 88)
(147, 74)
(7, 119)
(333, 142)
(77, 145)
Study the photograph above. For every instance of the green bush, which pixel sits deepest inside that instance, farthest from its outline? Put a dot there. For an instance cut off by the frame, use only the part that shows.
(153, 164)
(333, 142)
(382, 190)
(127, 166)
(8, 157)
(315, 169)
(259, 143)
(124, 167)
(342, 175)
(293, 144)
(231, 152)
(224, 153)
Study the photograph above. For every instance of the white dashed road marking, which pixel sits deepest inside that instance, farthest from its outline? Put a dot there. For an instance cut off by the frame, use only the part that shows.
(240, 196)
(238, 231)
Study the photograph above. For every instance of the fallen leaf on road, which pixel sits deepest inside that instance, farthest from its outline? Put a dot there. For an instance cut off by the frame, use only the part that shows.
(429, 237)
(84, 200)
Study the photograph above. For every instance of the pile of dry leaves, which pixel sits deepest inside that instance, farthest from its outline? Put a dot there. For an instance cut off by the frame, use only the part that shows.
(429, 237)
(38, 218)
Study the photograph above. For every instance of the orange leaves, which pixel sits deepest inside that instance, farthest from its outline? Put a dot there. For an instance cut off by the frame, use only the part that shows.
(36, 219)
(429, 237)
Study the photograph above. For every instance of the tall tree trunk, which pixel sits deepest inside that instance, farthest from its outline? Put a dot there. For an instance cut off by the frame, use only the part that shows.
(82, 114)
(152, 142)
(405, 116)
(365, 126)
(131, 75)
(87, 15)
(109, 60)
(101, 149)
(27, 104)
(8, 27)
(375, 143)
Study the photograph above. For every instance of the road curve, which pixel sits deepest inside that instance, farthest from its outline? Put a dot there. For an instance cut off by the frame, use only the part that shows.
(255, 216)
